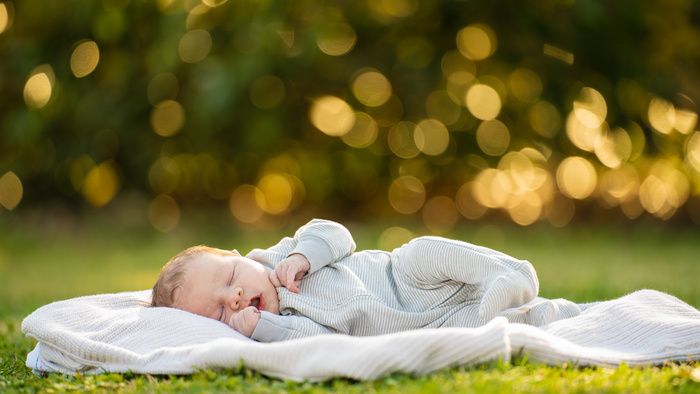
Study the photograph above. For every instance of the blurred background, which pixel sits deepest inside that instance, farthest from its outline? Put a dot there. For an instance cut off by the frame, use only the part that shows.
(131, 128)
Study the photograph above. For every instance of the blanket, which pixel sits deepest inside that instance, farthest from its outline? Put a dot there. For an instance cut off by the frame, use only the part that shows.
(120, 332)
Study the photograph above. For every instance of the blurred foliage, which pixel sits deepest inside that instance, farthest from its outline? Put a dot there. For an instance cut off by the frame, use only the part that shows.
(443, 110)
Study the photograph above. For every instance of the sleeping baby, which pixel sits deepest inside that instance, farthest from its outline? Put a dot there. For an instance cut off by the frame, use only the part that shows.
(315, 283)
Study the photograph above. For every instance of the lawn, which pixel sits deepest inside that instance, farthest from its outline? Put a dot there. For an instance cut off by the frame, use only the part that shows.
(45, 261)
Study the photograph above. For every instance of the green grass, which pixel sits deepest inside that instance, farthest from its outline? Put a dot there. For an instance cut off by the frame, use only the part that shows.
(45, 261)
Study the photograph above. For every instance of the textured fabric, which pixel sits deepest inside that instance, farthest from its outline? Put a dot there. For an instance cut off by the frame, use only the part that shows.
(429, 282)
(118, 333)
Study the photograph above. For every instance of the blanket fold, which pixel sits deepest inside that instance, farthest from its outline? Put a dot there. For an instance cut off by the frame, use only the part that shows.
(119, 333)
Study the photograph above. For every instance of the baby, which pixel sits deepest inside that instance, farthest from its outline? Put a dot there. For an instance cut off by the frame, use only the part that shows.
(315, 283)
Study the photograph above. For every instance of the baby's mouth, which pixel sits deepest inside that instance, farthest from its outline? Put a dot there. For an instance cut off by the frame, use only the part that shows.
(257, 302)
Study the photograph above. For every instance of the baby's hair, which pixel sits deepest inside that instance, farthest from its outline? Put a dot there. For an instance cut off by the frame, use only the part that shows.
(173, 272)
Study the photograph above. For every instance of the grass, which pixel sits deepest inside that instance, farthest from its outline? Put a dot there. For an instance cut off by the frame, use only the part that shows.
(42, 261)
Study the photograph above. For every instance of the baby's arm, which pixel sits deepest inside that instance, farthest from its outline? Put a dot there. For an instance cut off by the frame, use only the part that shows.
(503, 281)
(273, 328)
(321, 241)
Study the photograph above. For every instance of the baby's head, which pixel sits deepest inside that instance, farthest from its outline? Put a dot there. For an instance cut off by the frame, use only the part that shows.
(214, 283)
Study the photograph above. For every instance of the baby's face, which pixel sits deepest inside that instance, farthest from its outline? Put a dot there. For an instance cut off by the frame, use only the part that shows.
(219, 286)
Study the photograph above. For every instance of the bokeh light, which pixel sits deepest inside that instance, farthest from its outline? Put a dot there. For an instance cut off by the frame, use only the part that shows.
(277, 193)
(332, 115)
(582, 136)
(371, 88)
(590, 108)
(101, 184)
(525, 85)
(544, 119)
(440, 214)
(558, 53)
(692, 151)
(685, 121)
(167, 118)
(11, 190)
(619, 185)
(243, 203)
(443, 119)
(393, 237)
(336, 39)
(387, 11)
(664, 190)
(39, 86)
(363, 133)
(4, 18)
(214, 3)
(661, 115)
(431, 137)
(466, 204)
(525, 208)
(164, 213)
(476, 42)
(483, 102)
(493, 137)
(613, 148)
(576, 177)
(402, 141)
(84, 58)
(194, 46)
(406, 194)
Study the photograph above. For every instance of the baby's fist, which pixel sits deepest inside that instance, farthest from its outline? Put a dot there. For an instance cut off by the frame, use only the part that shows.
(289, 272)
(245, 320)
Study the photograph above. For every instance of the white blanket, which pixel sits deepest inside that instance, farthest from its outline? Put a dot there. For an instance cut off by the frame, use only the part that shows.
(119, 333)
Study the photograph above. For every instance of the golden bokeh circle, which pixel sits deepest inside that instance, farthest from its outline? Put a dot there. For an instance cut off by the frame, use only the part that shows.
(476, 42)
(431, 137)
(244, 203)
(493, 137)
(483, 101)
(363, 133)
(576, 177)
(332, 115)
(11, 190)
(194, 46)
(164, 213)
(406, 194)
(440, 214)
(84, 59)
(39, 86)
(167, 118)
(371, 88)
(336, 39)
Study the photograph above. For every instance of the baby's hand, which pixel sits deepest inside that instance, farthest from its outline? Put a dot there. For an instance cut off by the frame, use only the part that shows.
(245, 320)
(289, 272)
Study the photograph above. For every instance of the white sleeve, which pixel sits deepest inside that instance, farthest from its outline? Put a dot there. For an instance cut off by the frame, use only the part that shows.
(274, 328)
(322, 242)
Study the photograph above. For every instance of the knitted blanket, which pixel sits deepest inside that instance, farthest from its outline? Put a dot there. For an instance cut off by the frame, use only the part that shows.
(119, 333)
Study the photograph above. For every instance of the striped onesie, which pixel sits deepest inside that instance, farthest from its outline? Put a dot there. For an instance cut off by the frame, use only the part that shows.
(426, 283)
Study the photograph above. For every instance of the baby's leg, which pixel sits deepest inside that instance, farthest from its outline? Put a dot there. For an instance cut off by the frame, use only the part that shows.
(551, 310)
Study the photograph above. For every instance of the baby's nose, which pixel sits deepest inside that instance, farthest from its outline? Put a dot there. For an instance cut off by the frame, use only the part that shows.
(236, 298)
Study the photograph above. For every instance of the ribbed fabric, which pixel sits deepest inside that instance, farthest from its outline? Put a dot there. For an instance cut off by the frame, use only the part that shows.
(429, 282)
(118, 333)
